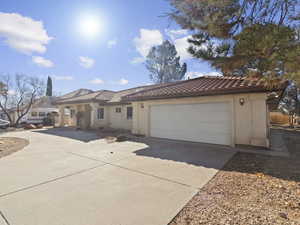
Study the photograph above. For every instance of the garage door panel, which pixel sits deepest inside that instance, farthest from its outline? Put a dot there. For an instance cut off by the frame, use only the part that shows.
(209, 122)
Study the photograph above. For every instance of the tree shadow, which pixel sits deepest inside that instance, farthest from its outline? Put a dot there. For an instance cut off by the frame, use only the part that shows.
(72, 133)
(225, 158)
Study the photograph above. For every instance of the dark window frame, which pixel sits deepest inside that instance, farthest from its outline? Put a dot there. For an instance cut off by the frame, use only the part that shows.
(129, 113)
(100, 113)
(118, 110)
(43, 114)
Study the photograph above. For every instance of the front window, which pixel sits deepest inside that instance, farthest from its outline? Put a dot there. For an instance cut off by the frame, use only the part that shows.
(42, 114)
(118, 110)
(34, 114)
(100, 113)
(129, 113)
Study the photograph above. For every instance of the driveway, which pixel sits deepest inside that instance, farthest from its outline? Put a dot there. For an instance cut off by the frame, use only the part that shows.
(67, 177)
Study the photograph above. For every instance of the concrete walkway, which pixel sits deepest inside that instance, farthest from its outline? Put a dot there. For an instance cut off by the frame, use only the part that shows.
(67, 177)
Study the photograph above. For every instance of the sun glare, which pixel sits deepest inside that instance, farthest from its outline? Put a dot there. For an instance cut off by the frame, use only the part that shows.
(90, 26)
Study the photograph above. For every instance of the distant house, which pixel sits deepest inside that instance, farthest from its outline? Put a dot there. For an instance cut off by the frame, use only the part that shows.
(218, 110)
(38, 111)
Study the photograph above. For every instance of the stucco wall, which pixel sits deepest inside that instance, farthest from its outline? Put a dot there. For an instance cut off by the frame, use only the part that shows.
(111, 117)
(249, 121)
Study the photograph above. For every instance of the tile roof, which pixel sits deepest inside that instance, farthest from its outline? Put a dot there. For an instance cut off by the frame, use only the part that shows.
(76, 93)
(202, 86)
(119, 96)
(98, 96)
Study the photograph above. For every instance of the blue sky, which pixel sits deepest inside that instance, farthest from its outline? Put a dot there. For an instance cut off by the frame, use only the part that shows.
(42, 38)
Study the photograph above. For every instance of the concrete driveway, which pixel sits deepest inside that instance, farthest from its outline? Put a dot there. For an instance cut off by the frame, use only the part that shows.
(67, 177)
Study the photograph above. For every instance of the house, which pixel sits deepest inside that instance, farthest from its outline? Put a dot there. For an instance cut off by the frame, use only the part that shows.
(37, 112)
(218, 110)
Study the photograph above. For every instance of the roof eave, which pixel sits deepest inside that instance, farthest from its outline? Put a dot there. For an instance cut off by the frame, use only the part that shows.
(197, 95)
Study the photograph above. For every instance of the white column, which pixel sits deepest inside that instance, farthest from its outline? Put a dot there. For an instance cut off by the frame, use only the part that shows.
(61, 116)
(93, 115)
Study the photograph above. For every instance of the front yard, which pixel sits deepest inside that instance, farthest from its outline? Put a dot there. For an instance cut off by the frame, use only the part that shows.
(250, 190)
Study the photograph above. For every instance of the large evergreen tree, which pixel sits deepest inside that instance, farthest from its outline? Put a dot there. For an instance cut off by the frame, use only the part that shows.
(244, 37)
(49, 87)
(164, 64)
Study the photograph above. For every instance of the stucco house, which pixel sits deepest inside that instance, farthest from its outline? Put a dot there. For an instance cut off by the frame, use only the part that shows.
(218, 110)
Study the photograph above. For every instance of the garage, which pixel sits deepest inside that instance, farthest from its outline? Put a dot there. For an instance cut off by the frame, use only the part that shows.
(206, 122)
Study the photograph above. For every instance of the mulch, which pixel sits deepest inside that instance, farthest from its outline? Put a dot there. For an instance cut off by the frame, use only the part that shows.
(9, 145)
(249, 190)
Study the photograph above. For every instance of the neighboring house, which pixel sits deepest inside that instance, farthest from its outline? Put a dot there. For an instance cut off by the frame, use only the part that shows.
(218, 110)
(38, 111)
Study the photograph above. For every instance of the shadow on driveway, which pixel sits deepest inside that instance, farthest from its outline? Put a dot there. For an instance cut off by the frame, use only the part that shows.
(72, 133)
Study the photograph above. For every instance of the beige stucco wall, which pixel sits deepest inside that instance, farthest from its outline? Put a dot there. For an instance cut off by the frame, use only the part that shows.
(249, 121)
(111, 118)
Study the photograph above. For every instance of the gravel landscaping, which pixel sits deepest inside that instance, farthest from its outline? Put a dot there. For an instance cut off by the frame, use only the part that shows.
(250, 190)
(9, 145)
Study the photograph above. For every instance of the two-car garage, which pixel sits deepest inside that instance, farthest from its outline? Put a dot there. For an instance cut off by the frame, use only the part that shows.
(206, 122)
(219, 110)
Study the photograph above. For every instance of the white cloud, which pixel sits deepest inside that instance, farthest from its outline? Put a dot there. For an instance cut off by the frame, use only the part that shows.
(41, 61)
(23, 33)
(175, 34)
(112, 43)
(182, 45)
(146, 40)
(123, 81)
(63, 77)
(96, 81)
(191, 75)
(86, 62)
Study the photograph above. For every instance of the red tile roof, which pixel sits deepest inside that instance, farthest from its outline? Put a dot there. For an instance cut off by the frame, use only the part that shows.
(202, 86)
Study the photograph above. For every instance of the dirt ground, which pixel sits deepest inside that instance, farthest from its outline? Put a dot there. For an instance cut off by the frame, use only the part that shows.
(9, 145)
(250, 190)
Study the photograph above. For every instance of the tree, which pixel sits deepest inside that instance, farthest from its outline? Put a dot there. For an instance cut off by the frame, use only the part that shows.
(49, 87)
(257, 38)
(164, 64)
(18, 94)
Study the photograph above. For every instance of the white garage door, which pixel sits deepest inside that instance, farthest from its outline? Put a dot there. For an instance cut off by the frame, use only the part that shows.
(209, 122)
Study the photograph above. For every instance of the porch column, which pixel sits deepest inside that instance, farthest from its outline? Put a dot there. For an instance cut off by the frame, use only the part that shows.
(93, 115)
(61, 122)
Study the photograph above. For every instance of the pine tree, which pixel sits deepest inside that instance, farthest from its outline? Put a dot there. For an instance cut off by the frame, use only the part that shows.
(49, 87)
(255, 38)
(164, 64)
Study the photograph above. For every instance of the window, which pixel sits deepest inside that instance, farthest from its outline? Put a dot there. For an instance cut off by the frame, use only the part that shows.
(100, 113)
(42, 114)
(129, 113)
(34, 114)
(72, 113)
(118, 110)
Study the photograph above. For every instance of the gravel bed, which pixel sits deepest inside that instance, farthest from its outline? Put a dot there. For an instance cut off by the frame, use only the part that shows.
(250, 190)
(9, 145)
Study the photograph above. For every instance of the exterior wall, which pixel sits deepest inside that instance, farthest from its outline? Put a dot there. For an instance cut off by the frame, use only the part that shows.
(97, 123)
(249, 121)
(111, 117)
(119, 120)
